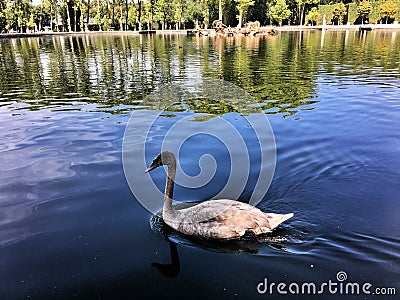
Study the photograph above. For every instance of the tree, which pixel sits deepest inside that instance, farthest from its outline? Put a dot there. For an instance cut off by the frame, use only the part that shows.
(147, 15)
(302, 7)
(30, 23)
(88, 14)
(163, 12)
(66, 5)
(364, 9)
(242, 6)
(206, 13)
(339, 11)
(78, 7)
(54, 10)
(133, 16)
(198, 11)
(388, 10)
(17, 14)
(313, 15)
(280, 11)
(179, 8)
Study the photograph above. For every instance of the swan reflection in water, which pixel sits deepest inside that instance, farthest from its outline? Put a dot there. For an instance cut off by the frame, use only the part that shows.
(170, 270)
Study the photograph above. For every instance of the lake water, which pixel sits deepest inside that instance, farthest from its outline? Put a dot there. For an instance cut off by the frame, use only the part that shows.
(70, 227)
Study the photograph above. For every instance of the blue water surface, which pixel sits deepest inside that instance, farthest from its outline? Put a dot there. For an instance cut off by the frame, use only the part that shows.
(70, 226)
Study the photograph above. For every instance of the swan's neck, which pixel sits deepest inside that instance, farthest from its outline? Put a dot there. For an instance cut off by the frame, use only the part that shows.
(168, 209)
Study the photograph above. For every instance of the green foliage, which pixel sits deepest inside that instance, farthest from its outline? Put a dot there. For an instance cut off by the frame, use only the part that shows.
(147, 15)
(133, 15)
(353, 14)
(163, 12)
(179, 7)
(302, 6)
(30, 24)
(339, 11)
(389, 9)
(242, 6)
(313, 15)
(195, 11)
(364, 9)
(325, 10)
(105, 23)
(280, 11)
(198, 12)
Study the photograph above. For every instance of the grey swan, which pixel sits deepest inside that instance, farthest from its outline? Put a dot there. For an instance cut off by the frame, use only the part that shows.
(214, 219)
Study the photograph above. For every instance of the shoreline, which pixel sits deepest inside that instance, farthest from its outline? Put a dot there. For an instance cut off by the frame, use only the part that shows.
(366, 27)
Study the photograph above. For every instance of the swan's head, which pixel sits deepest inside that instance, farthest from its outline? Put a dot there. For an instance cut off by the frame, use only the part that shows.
(164, 158)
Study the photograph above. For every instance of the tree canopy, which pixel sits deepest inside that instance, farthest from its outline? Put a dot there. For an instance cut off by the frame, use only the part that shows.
(280, 11)
(364, 9)
(389, 9)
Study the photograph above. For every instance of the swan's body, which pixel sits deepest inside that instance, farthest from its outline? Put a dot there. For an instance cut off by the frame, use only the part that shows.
(218, 219)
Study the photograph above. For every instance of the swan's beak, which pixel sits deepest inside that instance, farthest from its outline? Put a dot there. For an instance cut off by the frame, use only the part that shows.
(148, 170)
(151, 167)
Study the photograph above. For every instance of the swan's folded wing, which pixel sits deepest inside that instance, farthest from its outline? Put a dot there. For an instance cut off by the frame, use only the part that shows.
(225, 219)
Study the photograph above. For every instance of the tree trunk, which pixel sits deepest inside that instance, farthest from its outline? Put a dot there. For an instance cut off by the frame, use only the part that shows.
(240, 19)
(108, 12)
(220, 10)
(56, 18)
(302, 14)
(51, 18)
(68, 17)
(121, 18)
(88, 17)
(126, 14)
(150, 22)
(76, 21)
(207, 18)
(113, 14)
(164, 21)
(81, 20)
(40, 19)
(139, 14)
(299, 13)
(98, 14)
